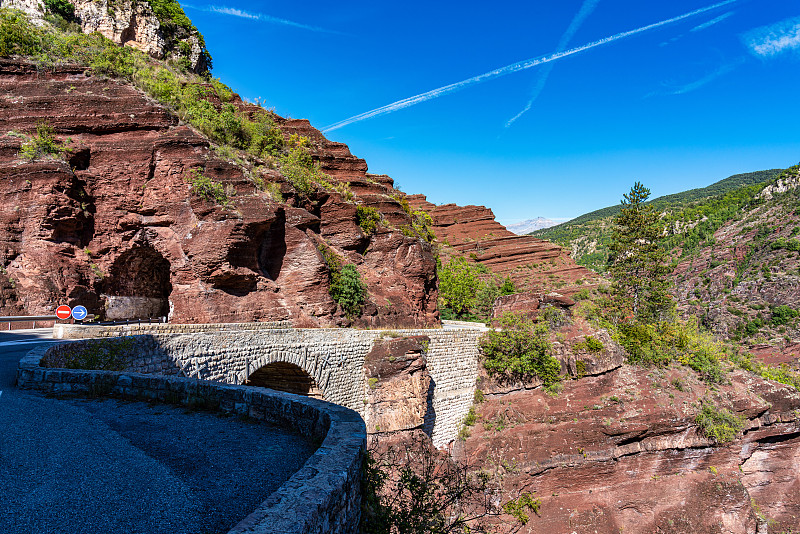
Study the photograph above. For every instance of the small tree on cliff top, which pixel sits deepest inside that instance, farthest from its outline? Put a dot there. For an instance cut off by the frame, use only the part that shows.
(637, 261)
(458, 284)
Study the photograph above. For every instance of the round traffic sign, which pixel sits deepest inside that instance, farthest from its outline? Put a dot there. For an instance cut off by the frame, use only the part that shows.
(63, 312)
(79, 313)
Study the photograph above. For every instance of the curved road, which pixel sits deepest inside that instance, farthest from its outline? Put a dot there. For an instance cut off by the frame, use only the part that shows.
(107, 466)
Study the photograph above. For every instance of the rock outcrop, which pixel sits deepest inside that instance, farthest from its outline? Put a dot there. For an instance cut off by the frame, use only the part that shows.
(622, 452)
(533, 264)
(529, 303)
(133, 23)
(114, 222)
(398, 385)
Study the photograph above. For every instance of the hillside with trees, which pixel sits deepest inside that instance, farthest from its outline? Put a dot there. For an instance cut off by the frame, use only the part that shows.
(589, 235)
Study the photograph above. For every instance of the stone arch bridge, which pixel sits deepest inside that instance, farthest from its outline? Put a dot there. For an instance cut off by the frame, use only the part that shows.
(327, 363)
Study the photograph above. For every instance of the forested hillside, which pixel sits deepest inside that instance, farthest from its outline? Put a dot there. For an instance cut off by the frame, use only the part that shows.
(690, 215)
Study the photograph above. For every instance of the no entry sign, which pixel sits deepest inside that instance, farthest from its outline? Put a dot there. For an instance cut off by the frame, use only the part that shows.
(63, 312)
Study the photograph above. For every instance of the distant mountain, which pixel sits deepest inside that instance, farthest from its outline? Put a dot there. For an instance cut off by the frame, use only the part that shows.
(589, 235)
(531, 225)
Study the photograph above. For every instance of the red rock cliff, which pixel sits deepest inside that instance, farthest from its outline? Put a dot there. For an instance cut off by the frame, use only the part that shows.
(533, 264)
(114, 225)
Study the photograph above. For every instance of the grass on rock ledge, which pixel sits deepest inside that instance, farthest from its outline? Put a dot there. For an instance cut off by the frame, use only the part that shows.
(253, 133)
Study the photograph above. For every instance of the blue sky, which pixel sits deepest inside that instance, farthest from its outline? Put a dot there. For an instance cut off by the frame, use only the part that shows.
(674, 94)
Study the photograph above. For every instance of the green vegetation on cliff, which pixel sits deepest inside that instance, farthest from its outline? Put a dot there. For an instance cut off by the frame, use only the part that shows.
(208, 105)
(520, 350)
(467, 291)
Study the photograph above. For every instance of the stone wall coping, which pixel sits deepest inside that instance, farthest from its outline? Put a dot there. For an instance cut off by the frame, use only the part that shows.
(80, 331)
(469, 325)
(76, 331)
(323, 496)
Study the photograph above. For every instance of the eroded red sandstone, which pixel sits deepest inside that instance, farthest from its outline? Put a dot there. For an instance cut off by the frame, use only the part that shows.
(533, 264)
(621, 452)
(115, 226)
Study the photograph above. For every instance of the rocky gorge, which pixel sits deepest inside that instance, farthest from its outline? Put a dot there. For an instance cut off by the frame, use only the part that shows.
(138, 213)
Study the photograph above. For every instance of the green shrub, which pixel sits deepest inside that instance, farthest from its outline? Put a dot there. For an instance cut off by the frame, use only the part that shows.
(782, 315)
(298, 167)
(274, 190)
(662, 343)
(17, 35)
(471, 417)
(62, 8)
(333, 262)
(367, 219)
(520, 350)
(114, 61)
(517, 507)
(43, 144)
(458, 284)
(583, 294)
(590, 344)
(718, 424)
(349, 291)
(782, 374)
(207, 188)
(422, 224)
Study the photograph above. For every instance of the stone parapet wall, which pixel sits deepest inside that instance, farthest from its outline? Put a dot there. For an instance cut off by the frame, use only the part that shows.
(333, 357)
(81, 331)
(324, 496)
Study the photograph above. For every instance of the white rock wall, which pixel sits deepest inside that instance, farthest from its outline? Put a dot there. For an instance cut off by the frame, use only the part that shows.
(33, 8)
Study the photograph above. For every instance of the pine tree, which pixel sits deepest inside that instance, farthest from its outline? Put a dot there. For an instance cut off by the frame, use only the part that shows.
(637, 261)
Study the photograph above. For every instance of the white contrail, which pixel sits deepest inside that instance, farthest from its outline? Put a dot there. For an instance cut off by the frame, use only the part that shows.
(711, 22)
(510, 69)
(585, 10)
(234, 12)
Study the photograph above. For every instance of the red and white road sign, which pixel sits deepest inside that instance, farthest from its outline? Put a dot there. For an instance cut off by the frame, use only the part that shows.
(63, 312)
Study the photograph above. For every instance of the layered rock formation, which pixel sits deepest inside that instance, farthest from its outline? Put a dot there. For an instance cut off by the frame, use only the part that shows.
(398, 385)
(622, 452)
(115, 218)
(533, 264)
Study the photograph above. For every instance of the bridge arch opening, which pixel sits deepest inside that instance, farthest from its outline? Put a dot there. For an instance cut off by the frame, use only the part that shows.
(284, 376)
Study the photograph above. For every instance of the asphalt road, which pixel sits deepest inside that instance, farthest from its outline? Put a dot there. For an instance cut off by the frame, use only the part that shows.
(106, 466)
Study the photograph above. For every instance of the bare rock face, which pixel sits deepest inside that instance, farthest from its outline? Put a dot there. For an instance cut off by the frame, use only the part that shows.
(533, 264)
(622, 452)
(114, 224)
(398, 385)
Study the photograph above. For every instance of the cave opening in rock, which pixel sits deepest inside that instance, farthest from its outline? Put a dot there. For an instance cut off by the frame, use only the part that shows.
(284, 376)
(273, 248)
(138, 285)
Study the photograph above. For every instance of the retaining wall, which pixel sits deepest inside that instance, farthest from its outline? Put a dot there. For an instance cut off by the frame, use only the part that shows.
(323, 497)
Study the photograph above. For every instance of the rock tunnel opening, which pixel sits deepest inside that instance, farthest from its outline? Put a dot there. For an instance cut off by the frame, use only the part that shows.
(138, 285)
(273, 248)
(283, 376)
